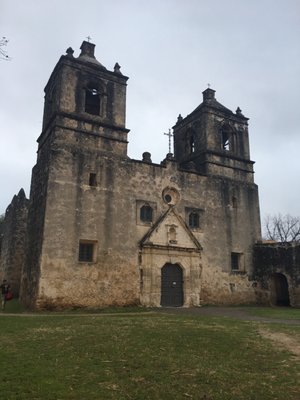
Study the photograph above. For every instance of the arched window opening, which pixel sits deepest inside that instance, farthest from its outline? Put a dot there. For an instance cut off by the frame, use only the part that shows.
(92, 101)
(194, 220)
(192, 145)
(225, 140)
(146, 213)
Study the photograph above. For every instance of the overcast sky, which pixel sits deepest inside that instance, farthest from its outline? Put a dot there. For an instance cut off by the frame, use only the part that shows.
(249, 52)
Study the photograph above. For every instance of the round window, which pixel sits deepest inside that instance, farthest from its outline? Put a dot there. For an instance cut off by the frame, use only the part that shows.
(170, 196)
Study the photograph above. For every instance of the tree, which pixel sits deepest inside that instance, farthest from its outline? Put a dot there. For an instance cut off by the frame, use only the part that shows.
(3, 52)
(282, 228)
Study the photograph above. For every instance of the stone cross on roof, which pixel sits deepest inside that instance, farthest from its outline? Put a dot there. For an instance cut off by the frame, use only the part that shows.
(170, 134)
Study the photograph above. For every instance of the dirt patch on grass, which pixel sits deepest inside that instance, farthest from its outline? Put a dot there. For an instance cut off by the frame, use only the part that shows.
(282, 341)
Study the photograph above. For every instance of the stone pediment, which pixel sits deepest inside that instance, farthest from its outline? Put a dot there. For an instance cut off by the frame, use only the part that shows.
(170, 230)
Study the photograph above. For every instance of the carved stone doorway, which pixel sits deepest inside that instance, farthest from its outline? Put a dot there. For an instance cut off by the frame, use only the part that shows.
(171, 285)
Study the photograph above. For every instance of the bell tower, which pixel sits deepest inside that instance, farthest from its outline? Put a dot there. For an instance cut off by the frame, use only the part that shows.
(83, 127)
(213, 140)
(82, 96)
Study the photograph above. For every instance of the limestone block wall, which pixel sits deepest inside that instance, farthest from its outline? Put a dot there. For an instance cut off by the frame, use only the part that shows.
(272, 259)
(110, 281)
(14, 240)
(67, 209)
(219, 287)
(107, 214)
(35, 228)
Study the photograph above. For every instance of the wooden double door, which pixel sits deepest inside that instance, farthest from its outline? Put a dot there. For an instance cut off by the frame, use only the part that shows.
(171, 285)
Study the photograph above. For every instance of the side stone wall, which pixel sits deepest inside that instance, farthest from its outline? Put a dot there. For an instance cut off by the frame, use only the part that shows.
(14, 241)
(277, 258)
(35, 229)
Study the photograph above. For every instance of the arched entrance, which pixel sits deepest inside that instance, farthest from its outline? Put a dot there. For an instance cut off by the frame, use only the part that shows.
(280, 290)
(171, 285)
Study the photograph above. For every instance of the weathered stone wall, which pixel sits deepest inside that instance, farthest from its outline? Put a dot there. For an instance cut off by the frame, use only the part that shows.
(86, 190)
(107, 215)
(219, 287)
(14, 240)
(35, 231)
(277, 258)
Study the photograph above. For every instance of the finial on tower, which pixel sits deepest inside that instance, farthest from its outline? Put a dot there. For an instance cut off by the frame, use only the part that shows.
(70, 51)
(179, 118)
(117, 68)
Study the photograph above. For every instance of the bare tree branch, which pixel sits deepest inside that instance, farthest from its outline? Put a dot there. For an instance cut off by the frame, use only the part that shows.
(3, 52)
(282, 228)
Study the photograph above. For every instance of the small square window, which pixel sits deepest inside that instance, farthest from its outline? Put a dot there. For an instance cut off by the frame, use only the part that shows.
(93, 179)
(86, 252)
(234, 202)
(236, 261)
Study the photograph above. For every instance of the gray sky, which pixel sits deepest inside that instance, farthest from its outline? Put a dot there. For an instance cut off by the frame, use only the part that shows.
(249, 51)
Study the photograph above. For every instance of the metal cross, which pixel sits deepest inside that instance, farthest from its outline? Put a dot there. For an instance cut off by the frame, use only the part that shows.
(169, 135)
(89, 38)
(208, 85)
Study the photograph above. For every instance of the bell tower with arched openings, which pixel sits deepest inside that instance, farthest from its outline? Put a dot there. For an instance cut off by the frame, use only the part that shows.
(83, 135)
(213, 140)
(83, 97)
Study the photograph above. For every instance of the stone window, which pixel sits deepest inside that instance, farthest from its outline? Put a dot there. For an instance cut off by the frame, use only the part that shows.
(228, 138)
(194, 217)
(225, 140)
(192, 144)
(189, 141)
(92, 101)
(86, 251)
(194, 220)
(93, 179)
(146, 213)
(234, 202)
(236, 262)
(141, 278)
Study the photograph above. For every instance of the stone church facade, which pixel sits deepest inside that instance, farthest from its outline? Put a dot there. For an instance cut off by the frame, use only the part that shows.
(104, 229)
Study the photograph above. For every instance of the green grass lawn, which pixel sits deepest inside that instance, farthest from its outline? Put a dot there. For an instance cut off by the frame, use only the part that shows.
(275, 312)
(142, 356)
